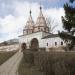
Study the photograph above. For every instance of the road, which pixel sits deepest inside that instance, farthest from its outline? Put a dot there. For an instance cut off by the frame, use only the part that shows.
(10, 66)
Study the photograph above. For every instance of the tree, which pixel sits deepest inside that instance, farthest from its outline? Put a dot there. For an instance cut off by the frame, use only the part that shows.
(50, 23)
(68, 35)
(72, 1)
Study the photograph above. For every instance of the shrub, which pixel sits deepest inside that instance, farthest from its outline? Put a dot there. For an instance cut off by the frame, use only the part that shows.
(55, 63)
(52, 63)
(28, 57)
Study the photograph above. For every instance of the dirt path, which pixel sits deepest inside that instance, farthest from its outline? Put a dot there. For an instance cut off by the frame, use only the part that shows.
(10, 67)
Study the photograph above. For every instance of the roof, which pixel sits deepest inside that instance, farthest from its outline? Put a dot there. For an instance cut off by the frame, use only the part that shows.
(51, 36)
(33, 33)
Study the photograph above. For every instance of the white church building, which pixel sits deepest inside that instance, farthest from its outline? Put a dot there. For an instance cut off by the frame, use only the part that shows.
(37, 35)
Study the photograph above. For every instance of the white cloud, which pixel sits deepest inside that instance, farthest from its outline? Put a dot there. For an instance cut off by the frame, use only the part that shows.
(55, 15)
(12, 25)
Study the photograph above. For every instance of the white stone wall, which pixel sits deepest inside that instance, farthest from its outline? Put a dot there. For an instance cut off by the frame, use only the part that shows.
(51, 42)
(42, 42)
(27, 39)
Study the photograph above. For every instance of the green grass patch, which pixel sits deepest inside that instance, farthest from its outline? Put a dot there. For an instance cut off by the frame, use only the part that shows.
(5, 56)
(28, 69)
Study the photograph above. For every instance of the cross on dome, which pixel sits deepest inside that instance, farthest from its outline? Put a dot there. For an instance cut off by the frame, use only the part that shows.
(41, 14)
(40, 8)
(30, 12)
(30, 22)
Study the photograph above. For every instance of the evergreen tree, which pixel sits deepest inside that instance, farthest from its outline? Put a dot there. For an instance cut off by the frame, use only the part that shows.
(72, 1)
(68, 35)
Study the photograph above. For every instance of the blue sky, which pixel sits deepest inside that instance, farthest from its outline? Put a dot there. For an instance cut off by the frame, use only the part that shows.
(14, 14)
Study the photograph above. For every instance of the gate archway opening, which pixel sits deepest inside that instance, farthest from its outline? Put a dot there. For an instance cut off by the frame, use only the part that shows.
(34, 44)
(23, 46)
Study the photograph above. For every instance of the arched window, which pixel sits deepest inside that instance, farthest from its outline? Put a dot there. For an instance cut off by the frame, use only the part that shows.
(55, 43)
(61, 43)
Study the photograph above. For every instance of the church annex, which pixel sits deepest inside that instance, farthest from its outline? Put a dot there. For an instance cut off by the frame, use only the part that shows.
(37, 35)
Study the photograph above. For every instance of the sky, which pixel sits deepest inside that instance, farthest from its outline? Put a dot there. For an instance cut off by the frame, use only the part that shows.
(14, 14)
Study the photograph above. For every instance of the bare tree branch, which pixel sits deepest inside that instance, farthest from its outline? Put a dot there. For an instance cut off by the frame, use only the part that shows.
(50, 22)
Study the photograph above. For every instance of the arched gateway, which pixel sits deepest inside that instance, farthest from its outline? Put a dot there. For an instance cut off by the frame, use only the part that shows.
(34, 44)
(23, 46)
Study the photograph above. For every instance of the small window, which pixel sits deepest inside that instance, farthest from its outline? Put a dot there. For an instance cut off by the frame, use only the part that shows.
(61, 43)
(47, 44)
(55, 43)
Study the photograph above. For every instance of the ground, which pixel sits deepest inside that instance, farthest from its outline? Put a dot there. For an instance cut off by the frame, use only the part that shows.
(10, 67)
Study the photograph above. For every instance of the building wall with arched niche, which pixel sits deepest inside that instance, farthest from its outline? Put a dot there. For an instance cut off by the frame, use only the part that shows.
(27, 39)
(53, 42)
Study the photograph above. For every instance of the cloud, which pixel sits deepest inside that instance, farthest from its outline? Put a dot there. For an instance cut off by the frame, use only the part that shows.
(11, 26)
(55, 15)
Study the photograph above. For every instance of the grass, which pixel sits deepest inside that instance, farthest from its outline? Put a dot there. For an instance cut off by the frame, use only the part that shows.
(5, 56)
(53, 63)
(28, 69)
(56, 63)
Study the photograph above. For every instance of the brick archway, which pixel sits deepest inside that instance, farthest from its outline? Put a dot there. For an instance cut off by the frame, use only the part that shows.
(34, 44)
